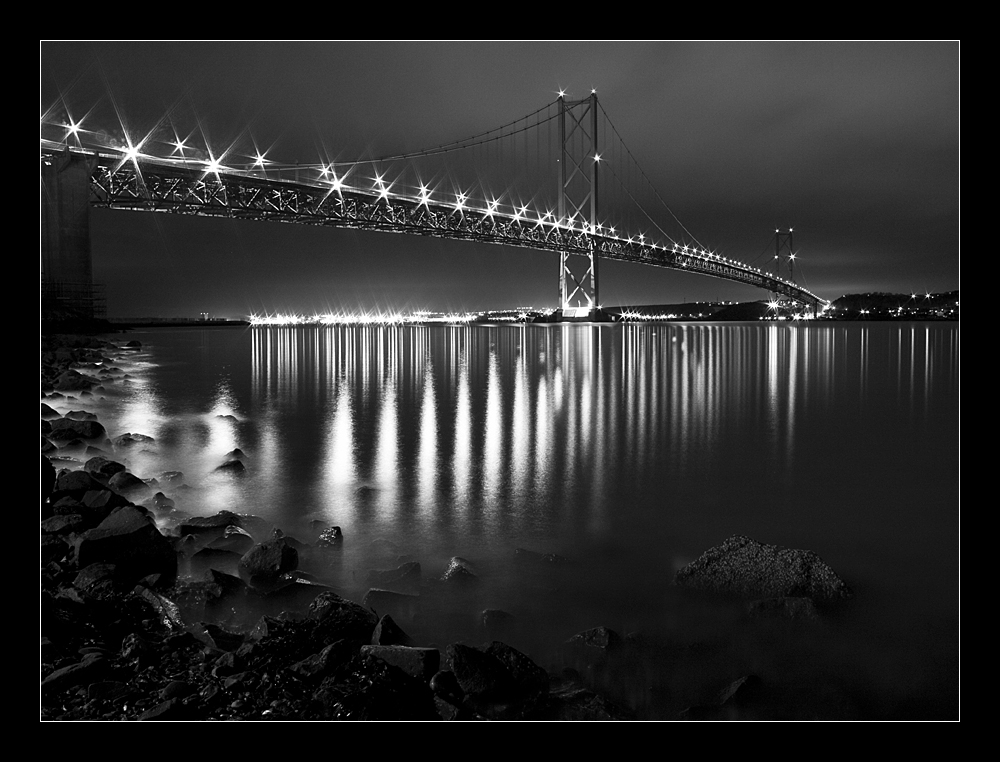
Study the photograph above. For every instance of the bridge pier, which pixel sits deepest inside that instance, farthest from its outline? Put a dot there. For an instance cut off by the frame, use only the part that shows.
(67, 286)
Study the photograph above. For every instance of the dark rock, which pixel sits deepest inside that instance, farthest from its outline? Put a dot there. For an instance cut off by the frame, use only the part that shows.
(74, 484)
(370, 689)
(483, 678)
(89, 670)
(130, 440)
(388, 633)
(744, 567)
(422, 663)
(331, 537)
(210, 524)
(601, 638)
(103, 468)
(234, 467)
(404, 578)
(402, 606)
(267, 561)
(297, 595)
(224, 639)
(235, 539)
(498, 624)
(324, 663)
(129, 485)
(226, 561)
(162, 503)
(530, 682)
(578, 704)
(80, 415)
(72, 522)
(459, 571)
(341, 619)
(131, 541)
(71, 381)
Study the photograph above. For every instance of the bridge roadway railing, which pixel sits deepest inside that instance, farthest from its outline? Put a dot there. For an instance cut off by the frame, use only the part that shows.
(149, 184)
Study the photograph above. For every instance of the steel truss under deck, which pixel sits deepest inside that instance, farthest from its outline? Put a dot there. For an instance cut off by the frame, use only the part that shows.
(149, 185)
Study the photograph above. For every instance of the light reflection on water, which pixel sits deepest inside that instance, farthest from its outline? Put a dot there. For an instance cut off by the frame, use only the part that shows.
(627, 448)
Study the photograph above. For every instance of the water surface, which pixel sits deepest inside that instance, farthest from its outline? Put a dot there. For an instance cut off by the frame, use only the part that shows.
(628, 450)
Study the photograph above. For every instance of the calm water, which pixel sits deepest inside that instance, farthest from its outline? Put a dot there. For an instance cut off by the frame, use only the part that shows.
(627, 449)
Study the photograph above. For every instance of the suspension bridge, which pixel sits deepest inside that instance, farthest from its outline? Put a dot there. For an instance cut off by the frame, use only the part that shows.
(584, 188)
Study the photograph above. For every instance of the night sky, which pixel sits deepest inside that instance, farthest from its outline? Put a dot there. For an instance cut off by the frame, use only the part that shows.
(855, 145)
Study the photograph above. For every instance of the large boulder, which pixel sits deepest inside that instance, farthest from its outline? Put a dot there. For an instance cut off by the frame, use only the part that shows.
(66, 429)
(748, 568)
(129, 539)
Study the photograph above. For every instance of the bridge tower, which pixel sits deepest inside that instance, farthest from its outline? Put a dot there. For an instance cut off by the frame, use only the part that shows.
(578, 203)
(782, 242)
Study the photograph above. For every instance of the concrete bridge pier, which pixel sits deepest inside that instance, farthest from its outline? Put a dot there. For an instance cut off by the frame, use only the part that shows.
(67, 286)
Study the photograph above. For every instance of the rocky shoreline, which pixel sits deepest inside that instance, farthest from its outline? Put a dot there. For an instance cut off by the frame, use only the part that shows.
(221, 617)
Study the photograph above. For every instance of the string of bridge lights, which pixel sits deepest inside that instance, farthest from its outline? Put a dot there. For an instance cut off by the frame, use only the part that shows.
(132, 152)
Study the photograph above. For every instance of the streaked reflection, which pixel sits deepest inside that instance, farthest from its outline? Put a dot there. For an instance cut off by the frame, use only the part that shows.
(507, 428)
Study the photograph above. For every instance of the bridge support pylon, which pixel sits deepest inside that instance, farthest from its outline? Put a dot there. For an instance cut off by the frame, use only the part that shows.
(67, 288)
(578, 297)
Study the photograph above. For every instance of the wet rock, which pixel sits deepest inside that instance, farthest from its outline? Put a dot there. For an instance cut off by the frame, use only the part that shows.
(102, 468)
(80, 415)
(297, 595)
(484, 680)
(209, 524)
(71, 381)
(128, 484)
(341, 619)
(745, 567)
(234, 467)
(374, 690)
(64, 525)
(68, 429)
(324, 663)
(459, 571)
(74, 484)
(127, 440)
(235, 539)
(91, 669)
(530, 682)
(331, 537)
(267, 561)
(422, 663)
(598, 638)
